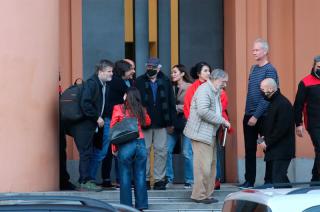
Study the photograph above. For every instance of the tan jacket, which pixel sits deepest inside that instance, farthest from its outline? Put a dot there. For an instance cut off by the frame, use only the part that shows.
(180, 96)
(205, 114)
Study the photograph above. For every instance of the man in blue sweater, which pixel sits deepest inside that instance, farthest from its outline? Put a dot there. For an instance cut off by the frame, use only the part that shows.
(256, 107)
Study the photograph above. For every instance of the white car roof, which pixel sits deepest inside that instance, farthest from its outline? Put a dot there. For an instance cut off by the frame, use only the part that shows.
(279, 199)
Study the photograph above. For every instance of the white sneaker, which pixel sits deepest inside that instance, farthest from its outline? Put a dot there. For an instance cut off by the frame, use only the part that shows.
(169, 185)
(187, 185)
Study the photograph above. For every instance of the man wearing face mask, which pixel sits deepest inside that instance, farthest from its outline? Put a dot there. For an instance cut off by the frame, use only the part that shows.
(279, 129)
(157, 96)
(307, 105)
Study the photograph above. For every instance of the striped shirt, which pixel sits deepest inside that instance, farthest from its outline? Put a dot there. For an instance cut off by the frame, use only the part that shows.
(256, 105)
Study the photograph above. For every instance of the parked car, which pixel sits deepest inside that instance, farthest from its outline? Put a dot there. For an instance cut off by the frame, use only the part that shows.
(274, 200)
(44, 203)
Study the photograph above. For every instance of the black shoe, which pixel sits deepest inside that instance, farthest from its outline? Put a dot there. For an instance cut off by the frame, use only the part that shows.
(264, 186)
(107, 185)
(206, 201)
(148, 185)
(246, 184)
(160, 185)
(67, 186)
(314, 183)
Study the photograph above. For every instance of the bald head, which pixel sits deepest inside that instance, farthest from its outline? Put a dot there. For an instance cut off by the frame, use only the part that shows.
(270, 83)
(268, 86)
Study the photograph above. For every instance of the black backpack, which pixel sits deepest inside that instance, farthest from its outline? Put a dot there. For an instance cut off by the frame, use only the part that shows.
(69, 101)
(70, 109)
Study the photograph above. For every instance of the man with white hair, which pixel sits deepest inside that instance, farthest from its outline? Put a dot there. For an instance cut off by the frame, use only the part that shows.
(279, 129)
(202, 125)
(256, 107)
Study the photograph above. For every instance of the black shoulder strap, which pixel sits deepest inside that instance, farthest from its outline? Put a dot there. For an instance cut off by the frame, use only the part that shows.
(252, 68)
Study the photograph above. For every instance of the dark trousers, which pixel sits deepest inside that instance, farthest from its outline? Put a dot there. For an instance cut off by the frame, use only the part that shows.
(315, 137)
(250, 143)
(64, 175)
(107, 165)
(279, 170)
(83, 133)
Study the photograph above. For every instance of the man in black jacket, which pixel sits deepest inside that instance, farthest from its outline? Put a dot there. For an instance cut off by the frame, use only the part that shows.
(157, 96)
(279, 144)
(122, 79)
(307, 105)
(93, 101)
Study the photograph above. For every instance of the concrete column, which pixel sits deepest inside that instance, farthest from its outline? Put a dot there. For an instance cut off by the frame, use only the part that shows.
(164, 36)
(29, 64)
(141, 35)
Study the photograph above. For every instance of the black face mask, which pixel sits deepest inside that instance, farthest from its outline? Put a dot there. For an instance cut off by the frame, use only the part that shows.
(266, 95)
(151, 72)
(317, 72)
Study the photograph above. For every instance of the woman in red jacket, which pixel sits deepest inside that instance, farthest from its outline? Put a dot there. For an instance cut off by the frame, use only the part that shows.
(132, 156)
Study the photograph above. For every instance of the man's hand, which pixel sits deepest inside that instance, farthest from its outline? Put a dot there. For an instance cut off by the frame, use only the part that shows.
(227, 124)
(263, 146)
(170, 129)
(299, 131)
(252, 121)
(100, 122)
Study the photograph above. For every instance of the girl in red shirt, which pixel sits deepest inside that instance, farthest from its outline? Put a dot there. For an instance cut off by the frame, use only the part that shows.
(132, 156)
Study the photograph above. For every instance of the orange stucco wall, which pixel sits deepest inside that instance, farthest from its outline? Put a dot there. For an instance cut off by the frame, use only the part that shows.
(29, 63)
(291, 27)
(70, 51)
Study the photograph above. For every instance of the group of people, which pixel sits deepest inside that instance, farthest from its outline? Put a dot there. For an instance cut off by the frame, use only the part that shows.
(191, 110)
(271, 121)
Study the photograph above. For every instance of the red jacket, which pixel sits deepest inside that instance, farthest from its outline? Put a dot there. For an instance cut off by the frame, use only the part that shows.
(188, 97)
(118, 115)
(224, 104)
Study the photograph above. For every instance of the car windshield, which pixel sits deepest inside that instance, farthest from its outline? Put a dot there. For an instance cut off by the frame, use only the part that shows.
(244, 206)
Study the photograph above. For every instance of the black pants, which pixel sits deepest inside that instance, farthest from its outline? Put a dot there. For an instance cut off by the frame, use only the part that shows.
(315, 137)
(64, 175)
(279, 170)
(83, 134)
(107, 165)
(250, 143)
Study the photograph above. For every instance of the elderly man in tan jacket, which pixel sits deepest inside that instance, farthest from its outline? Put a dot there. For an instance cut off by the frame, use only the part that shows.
(204, 120)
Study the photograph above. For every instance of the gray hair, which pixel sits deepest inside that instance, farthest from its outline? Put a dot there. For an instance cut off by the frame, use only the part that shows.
(218, 74)
(263, 43)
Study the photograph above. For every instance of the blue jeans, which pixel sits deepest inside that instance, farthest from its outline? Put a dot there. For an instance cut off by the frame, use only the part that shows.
(99, 154)
(133, 156)
(187, 153)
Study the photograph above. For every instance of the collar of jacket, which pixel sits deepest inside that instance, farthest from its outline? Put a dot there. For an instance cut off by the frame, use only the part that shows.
(277, 93)
(314, 74)
(216, 91)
